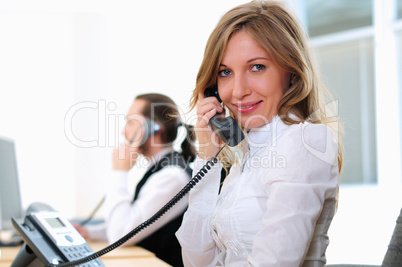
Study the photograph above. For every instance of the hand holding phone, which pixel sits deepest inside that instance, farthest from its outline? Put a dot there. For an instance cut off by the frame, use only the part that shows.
(226, 128)
(125, 156)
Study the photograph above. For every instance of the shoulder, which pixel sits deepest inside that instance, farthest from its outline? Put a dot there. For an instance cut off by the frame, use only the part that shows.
(307, 144)
(304, 154)
(167, 178)
(172, 172)
(309, 132)
(308, 137)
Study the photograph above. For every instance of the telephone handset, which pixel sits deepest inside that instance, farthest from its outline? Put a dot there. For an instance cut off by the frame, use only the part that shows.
(226, 128)
(150, 127)
(50, 239)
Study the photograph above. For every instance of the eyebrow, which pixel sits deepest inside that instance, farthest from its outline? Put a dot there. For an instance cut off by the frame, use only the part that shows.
(256, 58)
(250, 60)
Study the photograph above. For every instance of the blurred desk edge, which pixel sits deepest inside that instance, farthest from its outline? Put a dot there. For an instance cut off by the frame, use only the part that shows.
(121, 256)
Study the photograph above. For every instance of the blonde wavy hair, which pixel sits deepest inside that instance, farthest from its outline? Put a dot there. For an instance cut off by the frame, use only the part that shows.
(277, 30)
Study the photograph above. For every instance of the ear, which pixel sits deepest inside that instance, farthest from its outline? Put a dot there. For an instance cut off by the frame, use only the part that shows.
(292, 79)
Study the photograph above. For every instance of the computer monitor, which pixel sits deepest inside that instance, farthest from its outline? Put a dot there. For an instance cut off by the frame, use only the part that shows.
(10, 197)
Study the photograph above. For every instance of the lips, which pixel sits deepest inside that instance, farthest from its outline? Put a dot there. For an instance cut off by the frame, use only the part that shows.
(247, 107)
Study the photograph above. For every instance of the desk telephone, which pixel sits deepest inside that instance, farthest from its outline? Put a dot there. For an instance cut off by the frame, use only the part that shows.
(52, 241)
(50, 238)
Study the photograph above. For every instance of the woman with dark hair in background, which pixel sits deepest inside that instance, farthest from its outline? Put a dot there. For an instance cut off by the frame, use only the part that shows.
(151, 129)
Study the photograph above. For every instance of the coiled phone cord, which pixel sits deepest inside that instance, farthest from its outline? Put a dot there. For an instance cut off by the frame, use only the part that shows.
(186, 189)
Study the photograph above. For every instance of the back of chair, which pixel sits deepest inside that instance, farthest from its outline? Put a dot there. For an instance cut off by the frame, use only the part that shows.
(393, 257)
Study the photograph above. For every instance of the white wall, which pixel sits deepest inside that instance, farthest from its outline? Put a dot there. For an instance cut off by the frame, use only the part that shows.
(37, 87)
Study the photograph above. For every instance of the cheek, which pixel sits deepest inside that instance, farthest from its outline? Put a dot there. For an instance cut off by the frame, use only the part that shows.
(270, 87)
(284, 79)
(130, 129)
(225, 92)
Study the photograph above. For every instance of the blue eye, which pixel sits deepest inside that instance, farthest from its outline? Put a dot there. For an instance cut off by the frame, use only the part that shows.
(258, 67)
(224, 73)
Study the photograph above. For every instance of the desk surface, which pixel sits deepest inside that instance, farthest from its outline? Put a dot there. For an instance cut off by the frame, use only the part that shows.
(121, 257)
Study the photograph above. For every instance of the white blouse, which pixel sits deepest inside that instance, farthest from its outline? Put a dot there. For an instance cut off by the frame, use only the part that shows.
(275, 207)
(123, 216)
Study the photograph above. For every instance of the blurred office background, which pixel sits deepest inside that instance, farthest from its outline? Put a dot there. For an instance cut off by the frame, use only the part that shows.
(70, 69)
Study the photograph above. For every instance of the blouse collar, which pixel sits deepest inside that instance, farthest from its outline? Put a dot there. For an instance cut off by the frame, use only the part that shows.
(266, 135)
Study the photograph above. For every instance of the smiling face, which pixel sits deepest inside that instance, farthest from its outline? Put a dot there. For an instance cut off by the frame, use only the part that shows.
(250, 83)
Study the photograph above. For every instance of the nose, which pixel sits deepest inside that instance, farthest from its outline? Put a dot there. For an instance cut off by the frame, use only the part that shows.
(240, 87)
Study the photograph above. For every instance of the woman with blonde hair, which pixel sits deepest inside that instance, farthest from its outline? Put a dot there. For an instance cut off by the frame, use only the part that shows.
(278, 200)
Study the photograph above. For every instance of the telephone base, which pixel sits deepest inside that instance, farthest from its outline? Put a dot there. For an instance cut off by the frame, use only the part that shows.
(26, 257)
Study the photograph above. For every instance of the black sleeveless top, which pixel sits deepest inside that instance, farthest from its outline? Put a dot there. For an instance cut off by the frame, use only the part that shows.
(163, 242)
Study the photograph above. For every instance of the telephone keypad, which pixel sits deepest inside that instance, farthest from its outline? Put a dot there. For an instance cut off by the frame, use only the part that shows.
(78, 252)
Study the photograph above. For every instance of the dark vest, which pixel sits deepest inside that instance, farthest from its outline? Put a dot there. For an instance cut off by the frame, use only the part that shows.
(163, 242)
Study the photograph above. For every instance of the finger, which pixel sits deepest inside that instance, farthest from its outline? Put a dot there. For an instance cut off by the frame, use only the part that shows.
(203, 122)
(207, 105)
(211, 99)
